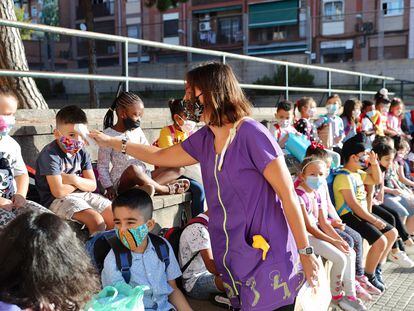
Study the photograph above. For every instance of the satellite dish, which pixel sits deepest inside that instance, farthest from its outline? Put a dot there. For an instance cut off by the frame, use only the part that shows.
(82, 27)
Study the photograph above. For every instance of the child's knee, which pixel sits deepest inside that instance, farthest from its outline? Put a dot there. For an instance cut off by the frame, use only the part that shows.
(380, 244)
(391, 235)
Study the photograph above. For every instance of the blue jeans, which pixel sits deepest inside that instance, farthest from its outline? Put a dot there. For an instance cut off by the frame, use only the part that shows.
(399, 204)
(197, 197)
(204, 287)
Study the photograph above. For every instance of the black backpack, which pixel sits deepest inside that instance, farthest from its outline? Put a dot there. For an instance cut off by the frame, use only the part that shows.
(173, 236)
(100, 244)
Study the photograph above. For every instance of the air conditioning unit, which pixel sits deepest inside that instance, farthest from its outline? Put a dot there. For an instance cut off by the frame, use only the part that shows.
(204, 26)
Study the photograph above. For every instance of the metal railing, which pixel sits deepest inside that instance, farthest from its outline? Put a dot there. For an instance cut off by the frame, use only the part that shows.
(223, 55)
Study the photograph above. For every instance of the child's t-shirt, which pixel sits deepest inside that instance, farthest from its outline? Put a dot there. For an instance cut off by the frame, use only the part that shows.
(52, 160)
(350, 130)
(345, 182)
(394, 123)
(337, 128)
(170, 136)
(279, 133)
(146, 269)
(194, 238)
(11, 165)
(307, 128)
(312, 208)
(119, 161)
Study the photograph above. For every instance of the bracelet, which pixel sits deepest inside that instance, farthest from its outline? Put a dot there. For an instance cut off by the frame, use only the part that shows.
(124, 145)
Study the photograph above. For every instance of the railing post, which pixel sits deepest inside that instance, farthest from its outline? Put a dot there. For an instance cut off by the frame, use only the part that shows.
(329, 83)
(402, 89)
(383, 83)
(126, 65)
(223, 59)
(360, 87)
(287, 82)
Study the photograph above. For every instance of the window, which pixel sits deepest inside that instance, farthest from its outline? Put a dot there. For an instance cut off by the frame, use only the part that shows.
(333, 10)
(229, 30)
(170, 25)
(392, 7)
(133, 31)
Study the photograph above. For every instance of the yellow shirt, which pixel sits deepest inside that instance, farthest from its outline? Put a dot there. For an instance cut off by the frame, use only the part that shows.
(170, 136)
(351, 181)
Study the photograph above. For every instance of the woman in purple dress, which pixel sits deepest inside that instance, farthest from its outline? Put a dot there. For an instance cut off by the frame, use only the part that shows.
(249, 192)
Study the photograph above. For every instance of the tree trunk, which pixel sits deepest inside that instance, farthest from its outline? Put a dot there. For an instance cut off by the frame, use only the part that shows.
(93, 92)
(13, 57)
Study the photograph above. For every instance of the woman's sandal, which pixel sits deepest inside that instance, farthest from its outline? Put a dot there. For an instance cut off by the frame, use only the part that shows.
(179, 186)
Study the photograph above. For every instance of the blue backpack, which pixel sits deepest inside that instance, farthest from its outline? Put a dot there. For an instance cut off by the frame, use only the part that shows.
(100, 244)
(330, 181)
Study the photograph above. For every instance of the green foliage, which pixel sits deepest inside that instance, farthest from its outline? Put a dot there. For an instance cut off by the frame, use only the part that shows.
(50, 15)
(297, 77)
(163, 5)
(24, 33)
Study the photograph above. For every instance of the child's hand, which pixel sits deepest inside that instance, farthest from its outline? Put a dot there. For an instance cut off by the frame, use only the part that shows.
(6, 204)
(379, 224)
(69, 179)
(373, 158)
(396, 192)
(110, 193)
(337, 223)
(18, 200)
(342, 246)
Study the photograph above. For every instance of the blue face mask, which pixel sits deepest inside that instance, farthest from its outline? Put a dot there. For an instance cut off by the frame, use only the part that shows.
(332, 109)
(370, 114)
(132, 238)
(314, 182)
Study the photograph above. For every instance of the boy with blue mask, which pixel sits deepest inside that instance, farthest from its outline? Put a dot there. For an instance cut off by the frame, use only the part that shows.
(64, 176)
(133, 220)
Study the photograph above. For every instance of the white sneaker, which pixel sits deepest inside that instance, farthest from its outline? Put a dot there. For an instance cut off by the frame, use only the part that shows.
(352, 304)
(401, 259)
(409, 250)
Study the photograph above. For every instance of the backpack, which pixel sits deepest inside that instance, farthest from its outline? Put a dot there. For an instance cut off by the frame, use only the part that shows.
(100, 244)
(330, 181)
(173, 236)
(172, 132)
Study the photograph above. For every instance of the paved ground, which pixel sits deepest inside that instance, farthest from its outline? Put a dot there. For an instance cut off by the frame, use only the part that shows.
(399, 295)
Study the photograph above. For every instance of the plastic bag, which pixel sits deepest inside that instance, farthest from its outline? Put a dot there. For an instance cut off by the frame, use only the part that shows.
(120, 296)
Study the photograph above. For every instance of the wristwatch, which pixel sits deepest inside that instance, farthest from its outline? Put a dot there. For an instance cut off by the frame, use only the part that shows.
(124, 144)
(306, 251)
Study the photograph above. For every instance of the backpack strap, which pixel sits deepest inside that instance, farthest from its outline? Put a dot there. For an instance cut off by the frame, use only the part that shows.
(123, 256)
(161, 248)
(304, 197)
(345, 206)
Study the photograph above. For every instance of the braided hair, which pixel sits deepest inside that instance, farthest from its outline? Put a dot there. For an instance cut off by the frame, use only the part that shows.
(124, 99)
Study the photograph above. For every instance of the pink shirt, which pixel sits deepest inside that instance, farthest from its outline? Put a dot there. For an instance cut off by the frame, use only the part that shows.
(394, 123)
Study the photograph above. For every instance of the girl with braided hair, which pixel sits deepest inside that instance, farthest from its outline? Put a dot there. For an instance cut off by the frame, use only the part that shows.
(128, 172)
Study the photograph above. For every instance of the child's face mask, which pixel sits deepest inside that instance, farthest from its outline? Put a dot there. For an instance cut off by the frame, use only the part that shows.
(356, 113)
(283, 123)
(71, 145)
(188, 125)
(332, 108)
(314, 182)
(133, 237)
(6, 124)
(363, 161)
(371, 113)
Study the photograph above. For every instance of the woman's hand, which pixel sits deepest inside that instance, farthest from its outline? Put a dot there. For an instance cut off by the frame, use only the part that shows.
(311, 267)
(101, 139)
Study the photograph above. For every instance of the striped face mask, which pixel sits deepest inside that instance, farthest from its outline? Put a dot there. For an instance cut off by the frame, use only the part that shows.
(134, 237)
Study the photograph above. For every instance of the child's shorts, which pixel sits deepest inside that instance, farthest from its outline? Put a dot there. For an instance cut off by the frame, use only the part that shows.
(7, 216)
(367, 230)
(77, 202)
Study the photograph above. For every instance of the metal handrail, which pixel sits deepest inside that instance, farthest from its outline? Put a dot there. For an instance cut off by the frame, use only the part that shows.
(224, 56)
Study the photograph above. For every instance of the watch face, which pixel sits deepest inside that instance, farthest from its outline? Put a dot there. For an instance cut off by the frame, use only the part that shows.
(309, 251)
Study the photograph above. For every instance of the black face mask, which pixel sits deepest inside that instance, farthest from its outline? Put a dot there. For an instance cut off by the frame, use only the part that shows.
(131, 124)
(193, 109)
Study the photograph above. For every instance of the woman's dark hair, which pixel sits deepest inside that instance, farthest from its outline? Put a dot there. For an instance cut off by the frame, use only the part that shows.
(71, 115)
(135, 199)
(224, 99)
(349, 107)
(366, 103)
(43, 263)
(176, 107)
(383, 150)
(302, 102)
(285, 105)
(124, 99)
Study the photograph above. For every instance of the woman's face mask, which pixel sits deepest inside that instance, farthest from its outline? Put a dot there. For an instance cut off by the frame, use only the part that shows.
(193, 109)
(6, 124)
(133, 237)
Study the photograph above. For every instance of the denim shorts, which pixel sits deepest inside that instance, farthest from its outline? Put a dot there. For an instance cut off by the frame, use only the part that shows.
(204, 287)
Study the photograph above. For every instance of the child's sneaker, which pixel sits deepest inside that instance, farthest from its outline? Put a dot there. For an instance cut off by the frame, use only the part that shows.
(361, 292)
(221, 300)
(350, 303)
(374, 281)
(378, 275)
(409, 249)
(365, 284)
(401, 259)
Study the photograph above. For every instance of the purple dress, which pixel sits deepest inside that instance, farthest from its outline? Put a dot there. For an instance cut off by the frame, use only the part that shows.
(243, 204)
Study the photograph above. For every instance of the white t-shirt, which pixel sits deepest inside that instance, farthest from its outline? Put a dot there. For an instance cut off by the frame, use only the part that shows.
(119, 161)
(11, 165)
(193, 239)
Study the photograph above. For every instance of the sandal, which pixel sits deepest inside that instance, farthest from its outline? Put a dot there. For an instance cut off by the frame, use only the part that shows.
(150, 189)
(179, 186)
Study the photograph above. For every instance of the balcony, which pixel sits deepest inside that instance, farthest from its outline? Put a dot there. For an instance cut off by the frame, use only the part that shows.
(99, 10)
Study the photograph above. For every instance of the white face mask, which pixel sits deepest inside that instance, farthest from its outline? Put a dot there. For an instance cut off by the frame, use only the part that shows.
(283, 123)
(6, 124)
(356, 113)
(312, 112)
(188, 126)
